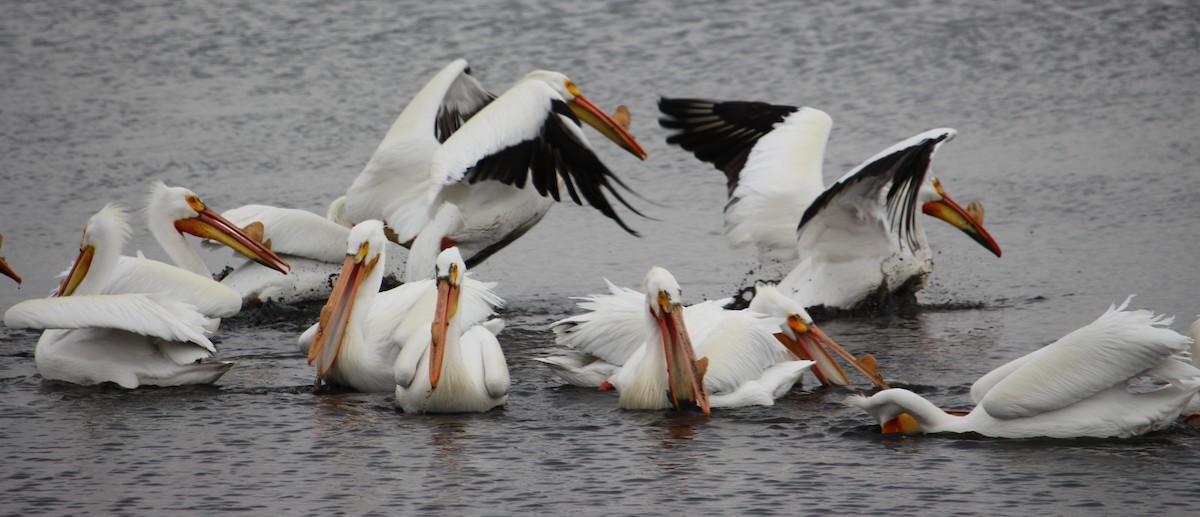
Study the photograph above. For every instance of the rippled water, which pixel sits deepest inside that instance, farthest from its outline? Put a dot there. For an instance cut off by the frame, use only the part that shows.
(1078, 125)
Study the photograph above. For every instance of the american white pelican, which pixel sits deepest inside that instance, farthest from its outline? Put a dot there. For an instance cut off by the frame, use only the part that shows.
(1081, 385)
(858, 237)
(361, 329)
(501, 160)
(451, 365)
(5, 269)
(154, 336)
(740, 361)
(173, 211)
(600, 340)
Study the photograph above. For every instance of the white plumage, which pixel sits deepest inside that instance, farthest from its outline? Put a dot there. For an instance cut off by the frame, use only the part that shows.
(855, 238)
(152, 329)
(454, 364)
(1089, 383)
(364, 329)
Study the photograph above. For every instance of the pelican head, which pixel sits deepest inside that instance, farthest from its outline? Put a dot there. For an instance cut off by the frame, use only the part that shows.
(685, 374)
(588, 112)
(4, 267)
(104, 235)
(804, 339)
(936, 203)
(450, 272)
(364, 254)
(190, 215)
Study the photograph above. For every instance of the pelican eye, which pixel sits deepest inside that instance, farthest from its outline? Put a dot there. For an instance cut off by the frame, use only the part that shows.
(363, 249)
(454, 273)
(937, 185)
(194, 202)
(797, 324)
(574, 90)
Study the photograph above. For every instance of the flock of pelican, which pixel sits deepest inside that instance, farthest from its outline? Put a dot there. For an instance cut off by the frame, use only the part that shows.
(464, 172)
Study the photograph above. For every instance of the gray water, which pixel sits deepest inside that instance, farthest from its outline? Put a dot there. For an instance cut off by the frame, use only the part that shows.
(1078, 126)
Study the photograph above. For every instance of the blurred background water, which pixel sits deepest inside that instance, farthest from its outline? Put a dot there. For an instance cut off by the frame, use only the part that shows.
(1078, 125)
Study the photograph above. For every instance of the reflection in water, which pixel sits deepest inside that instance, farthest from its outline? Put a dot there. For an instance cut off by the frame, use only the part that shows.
(447, 441)
(675, 434)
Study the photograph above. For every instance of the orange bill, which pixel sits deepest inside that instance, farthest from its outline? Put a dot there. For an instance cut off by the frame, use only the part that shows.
(447, 307)
(685, 374)
(598, 119)
(947, 210)
(335, 315)
(210, 225)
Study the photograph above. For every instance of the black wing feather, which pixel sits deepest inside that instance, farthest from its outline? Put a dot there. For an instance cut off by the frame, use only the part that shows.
(468, 98)
(720, 132)
(556, 152)
(902, 172)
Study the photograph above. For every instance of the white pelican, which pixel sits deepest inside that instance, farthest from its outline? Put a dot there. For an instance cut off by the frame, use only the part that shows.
(858, 237)
(173, 211)
(451, 365)
(1077, 386)
(155, 337)
(501, 160)
(600, 340)
(741, 363)
(5, 269)
(361, 329)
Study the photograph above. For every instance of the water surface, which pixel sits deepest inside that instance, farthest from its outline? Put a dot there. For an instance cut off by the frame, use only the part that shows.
(1077, 129)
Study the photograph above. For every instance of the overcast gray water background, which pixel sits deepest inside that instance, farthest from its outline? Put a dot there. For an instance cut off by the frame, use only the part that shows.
(1078, 126)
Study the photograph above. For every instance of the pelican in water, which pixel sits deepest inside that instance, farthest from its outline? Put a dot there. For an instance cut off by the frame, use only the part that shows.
(602, 339)
(501, 160)
(5, 269)
(857, 239)
(155, 336)
(361, 330)
(740, 362)
(452, 365)
(1087, 384)
(598, 341)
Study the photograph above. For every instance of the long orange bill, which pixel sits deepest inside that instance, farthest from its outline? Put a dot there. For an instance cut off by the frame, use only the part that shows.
(826, 369)
(79, 271)
(595, 117)
(447, 307)
(819, 337)
(210, 225)
(947, 210)
(685, 375)
(335, 315)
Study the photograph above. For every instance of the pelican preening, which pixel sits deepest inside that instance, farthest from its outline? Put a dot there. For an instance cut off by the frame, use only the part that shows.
(857, 237)
(155, 335)
(5, 269)
(1086, 384)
